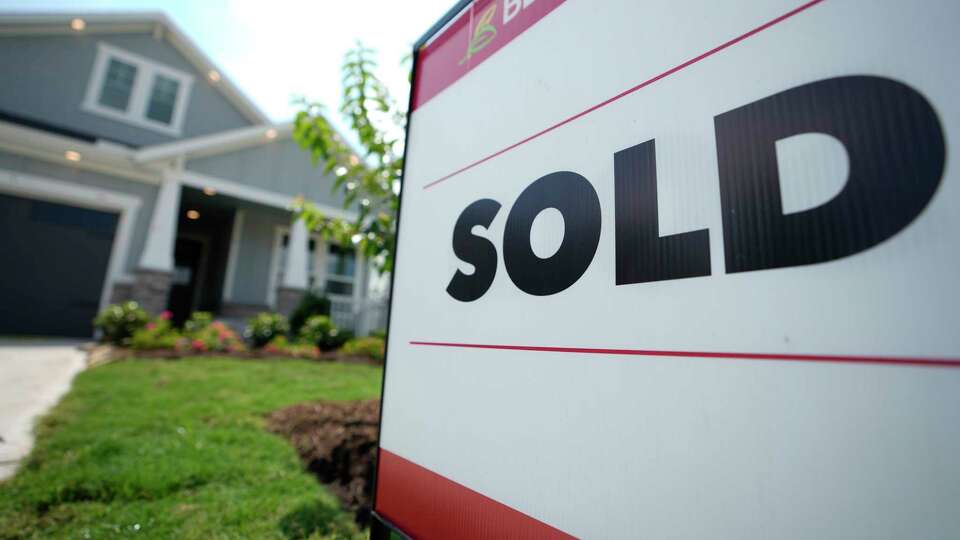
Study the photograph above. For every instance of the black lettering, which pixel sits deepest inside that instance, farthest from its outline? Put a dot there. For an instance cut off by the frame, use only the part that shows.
(574, 197)
(896, 151)
(642, 254)
(476, 250)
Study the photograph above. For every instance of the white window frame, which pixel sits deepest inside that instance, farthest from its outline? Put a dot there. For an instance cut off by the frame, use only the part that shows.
(319, 269)
(147, 71)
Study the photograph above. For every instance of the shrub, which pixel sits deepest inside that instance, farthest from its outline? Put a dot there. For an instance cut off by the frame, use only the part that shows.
(311, 304)
(264, 327)
(320, 331)
(281, 345)
(212, 336)
(118, 322)
(371, 347)
(198, 321)
(156, 334)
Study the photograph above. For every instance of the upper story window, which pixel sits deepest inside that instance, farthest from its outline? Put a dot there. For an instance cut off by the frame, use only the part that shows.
(136, 90)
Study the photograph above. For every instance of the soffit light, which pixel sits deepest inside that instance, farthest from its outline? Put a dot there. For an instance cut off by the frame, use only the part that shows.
(78, 24)
(209, 191)
(271, 134)
(71, 155)
(213, 75)
(193, 214)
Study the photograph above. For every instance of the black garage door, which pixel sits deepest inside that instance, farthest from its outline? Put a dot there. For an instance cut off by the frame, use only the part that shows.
(53, 262)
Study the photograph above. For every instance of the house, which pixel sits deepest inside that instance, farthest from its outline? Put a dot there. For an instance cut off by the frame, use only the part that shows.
(132, 168)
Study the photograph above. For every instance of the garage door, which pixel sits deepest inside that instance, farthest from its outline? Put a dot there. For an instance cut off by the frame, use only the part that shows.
(54, 263)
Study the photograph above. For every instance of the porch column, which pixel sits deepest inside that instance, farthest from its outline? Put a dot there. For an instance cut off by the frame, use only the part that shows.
(295, 279)
(154, 273)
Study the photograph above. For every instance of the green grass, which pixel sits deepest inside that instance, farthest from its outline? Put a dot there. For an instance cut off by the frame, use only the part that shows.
(178, 449)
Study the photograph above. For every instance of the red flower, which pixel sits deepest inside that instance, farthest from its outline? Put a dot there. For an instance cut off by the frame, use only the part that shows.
(151, 326)
(199, 345)
(166, 315)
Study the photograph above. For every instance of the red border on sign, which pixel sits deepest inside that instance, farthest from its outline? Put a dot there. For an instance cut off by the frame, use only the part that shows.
(837, 358)
(425, 504)
(461, 47)
(629, 91)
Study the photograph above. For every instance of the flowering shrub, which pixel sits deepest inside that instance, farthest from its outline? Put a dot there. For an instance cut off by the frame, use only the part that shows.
(118, 322)
(371, 347)
(156, 334)
(320, 331)
(264, 327)
(213, 336)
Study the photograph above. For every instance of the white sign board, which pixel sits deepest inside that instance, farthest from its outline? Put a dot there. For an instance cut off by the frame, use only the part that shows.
(679, 269)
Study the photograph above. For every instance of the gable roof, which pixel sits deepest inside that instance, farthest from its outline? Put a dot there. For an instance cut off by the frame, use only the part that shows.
(158, 23)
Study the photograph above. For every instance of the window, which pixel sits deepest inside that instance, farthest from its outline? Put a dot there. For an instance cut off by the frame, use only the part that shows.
(333, 272)
(341, 271)
(118, 85)
(163, 99)
(136, 90)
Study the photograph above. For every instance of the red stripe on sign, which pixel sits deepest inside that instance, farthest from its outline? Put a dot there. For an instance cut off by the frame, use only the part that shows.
(424, 504)
(894, 360)
(481, 30)
(629, 91)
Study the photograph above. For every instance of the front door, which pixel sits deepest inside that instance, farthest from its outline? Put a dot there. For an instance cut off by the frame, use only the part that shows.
(187, 265)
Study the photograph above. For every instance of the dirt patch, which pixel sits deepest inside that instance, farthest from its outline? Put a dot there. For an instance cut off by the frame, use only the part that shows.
(337, 442)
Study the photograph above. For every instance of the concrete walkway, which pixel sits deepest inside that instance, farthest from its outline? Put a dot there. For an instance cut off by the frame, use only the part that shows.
(34, 374)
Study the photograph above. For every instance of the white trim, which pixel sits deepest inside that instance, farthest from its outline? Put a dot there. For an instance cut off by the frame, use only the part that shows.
(215, 143)
(278, 233)
(147, 72)
(236, 234)
(253, 194)
(105, 158)
(37, 187)
(132, 22)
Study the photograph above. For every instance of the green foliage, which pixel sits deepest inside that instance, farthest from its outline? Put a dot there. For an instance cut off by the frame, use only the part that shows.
(157, 450)
(368, 183)
(264, 327)
(206, 336)
(320, 331)
(311, 304)
(118, 322)
(156, 334)
(198, 321)
(370, 347)
(298, 349)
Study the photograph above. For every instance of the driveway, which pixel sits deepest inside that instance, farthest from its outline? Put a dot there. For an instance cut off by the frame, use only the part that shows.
(34, 374)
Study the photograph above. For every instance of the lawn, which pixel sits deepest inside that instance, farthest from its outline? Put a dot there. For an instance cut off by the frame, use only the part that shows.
(177, 449)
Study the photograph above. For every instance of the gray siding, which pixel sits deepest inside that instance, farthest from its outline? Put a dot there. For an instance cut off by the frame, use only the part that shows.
(51, 74)
(252, 275)
(281, 167)
(145, 192)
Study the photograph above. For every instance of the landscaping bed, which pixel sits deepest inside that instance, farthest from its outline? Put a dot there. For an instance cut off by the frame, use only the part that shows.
(337, 442)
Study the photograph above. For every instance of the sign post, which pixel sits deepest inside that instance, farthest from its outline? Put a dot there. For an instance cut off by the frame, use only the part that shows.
(677, 270)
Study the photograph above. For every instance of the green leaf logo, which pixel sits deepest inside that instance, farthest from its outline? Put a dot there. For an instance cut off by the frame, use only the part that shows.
(483, 33)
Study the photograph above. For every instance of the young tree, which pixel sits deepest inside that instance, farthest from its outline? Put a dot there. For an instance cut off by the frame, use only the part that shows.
(370, 182)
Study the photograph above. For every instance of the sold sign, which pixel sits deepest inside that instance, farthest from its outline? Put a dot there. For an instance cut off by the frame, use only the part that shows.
(890, 132)
(678, 269)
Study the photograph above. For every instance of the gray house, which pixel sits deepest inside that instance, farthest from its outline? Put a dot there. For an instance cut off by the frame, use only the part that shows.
(132, 168)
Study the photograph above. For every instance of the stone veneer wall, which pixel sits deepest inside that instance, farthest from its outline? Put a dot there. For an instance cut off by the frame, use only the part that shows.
(151, 288)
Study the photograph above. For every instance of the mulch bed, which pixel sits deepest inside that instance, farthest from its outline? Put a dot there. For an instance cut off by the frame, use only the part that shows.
(106, 353)
(337, 441)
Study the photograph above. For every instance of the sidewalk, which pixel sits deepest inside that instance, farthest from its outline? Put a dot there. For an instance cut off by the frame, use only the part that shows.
(34, 374)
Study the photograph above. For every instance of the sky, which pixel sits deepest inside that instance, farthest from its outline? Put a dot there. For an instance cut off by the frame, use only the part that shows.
(277, 49)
